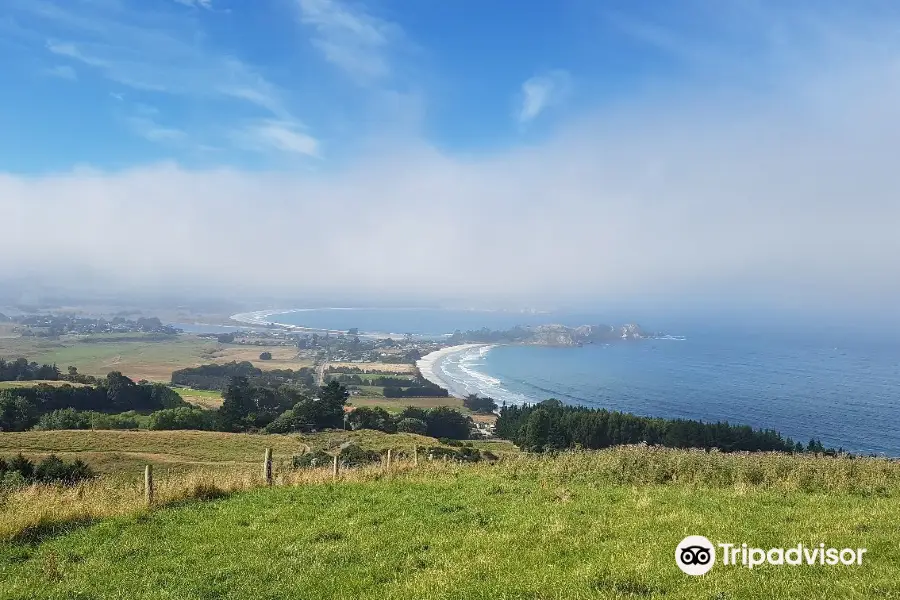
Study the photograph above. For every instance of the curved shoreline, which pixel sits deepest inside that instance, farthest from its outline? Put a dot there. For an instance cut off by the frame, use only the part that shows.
(425, 365)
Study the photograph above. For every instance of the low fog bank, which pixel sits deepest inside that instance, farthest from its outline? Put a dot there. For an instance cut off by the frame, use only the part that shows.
(782, 200)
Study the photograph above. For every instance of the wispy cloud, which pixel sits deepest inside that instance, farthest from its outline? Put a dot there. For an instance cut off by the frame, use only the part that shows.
(62, 72)
(163, 53)
(152, 131)
(540, 92)
(283, 136)
(144, 121)
(207, 4)
(350, 38)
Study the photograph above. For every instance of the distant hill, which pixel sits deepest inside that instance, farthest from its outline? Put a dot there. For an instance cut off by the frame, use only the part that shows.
(4, 318)
(555, 335)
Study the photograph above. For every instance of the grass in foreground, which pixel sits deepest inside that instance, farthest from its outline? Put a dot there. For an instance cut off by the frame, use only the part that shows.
(591, 525)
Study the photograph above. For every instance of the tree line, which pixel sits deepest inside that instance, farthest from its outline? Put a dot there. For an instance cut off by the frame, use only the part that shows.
(440, 422)
(550, 425)
(418, 388)
(249, 406)
(217, 377)
(22, 408)
(22, 370)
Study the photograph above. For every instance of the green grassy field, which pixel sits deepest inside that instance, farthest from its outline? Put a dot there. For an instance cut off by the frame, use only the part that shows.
(152, 359)
(203, 398)
(21, 384)
(582, 525)
(395, 405)
(142, 356)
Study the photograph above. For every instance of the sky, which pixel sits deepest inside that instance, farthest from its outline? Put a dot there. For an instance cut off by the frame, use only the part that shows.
(696, 154)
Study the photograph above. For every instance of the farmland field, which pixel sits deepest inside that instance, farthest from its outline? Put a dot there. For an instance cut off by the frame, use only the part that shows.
(153, 358)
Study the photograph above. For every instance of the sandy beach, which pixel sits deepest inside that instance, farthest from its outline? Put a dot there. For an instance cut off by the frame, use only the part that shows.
(427, 362)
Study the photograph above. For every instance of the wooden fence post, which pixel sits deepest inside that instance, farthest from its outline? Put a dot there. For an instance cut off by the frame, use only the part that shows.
(415, 456)
(267, 467)
(148, 484)
(334, 469)
(389, 459)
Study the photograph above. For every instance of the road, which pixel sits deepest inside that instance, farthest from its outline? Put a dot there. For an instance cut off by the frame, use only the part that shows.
(320, 372)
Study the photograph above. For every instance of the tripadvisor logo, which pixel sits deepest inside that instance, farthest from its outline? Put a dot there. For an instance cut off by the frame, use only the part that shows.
(696, 555)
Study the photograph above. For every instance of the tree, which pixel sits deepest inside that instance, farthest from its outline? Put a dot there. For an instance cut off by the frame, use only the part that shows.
(480, 405)
(330, 409)
(119, 391)
(411, 425)
(235, 405)
(371, 418)
(265, 356)
(225, 338)
(179, 418)
(413, 412)
(537, 431)
(444, 422)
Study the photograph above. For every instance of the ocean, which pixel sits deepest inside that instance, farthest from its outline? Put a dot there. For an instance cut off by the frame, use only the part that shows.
(841, 387)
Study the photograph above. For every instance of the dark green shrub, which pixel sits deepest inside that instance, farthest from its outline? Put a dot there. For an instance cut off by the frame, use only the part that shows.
(55, 470)
(180, 418)
(355, 456)
(52, 469)
(444, 422)
(21, 464)
(64, 418)
(411, 425)
(372, 418)
(311, 459)
(125, 420)
(413, 412)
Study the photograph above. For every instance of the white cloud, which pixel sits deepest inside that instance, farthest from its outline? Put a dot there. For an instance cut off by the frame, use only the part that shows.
(350, 38)
(207, 4)
(151, 52)
(540, 92)
(784, 193)
(62, 72)
(283, 136)
(791, 201)
(152, 131)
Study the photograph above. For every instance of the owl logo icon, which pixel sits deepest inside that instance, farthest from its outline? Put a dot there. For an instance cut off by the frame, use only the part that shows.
(695, 555)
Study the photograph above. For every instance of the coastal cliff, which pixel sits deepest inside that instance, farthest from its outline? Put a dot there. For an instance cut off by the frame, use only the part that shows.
(555, 335)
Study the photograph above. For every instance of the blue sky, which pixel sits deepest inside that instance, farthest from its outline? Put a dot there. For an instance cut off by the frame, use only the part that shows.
(652, 152)
(288, 83)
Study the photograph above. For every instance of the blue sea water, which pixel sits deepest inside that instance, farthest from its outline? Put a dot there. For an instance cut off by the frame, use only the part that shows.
(842, 387)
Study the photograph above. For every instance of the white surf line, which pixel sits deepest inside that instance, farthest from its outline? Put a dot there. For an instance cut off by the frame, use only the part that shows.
(427, 362)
